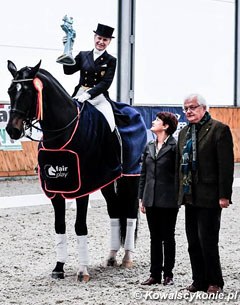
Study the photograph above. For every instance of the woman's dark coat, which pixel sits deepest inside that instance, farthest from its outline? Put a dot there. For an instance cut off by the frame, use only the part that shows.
(157, 180)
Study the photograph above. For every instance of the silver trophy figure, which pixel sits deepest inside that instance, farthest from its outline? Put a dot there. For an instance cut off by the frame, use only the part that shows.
(68, 40)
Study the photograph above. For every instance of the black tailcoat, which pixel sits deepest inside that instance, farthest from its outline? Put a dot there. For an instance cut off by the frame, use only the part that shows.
(97, 75)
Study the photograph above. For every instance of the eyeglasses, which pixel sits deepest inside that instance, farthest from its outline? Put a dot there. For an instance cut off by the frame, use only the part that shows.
(190, 108)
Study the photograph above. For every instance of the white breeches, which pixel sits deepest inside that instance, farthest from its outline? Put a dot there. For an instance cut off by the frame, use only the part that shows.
(103, 106)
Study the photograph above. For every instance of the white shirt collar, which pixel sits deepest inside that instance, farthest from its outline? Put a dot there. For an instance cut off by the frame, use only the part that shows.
(157, 148)
(97, 53)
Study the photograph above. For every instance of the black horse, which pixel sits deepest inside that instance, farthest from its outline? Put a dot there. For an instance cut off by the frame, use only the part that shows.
(78, 154)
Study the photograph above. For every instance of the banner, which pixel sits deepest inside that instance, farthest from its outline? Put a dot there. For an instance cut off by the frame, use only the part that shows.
(149, 114)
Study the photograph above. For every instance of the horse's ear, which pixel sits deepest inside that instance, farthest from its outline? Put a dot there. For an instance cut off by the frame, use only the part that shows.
(35, 69)
(12, 68)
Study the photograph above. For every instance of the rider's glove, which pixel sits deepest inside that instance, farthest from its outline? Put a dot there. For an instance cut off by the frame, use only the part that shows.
(64, 40)
(83, 97)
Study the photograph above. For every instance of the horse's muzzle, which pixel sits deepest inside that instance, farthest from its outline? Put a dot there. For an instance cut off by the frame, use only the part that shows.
(14, 132)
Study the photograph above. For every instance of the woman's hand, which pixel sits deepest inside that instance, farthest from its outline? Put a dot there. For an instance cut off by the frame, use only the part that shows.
(142, 208)
(64, 40)
(224, 203)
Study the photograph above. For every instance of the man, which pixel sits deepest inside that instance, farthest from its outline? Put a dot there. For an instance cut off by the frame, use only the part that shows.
(97, 69)
(206, 164)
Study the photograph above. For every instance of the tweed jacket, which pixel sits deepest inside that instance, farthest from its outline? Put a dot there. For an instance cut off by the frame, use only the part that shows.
(215, 164)
(157, 180)
(97, 75)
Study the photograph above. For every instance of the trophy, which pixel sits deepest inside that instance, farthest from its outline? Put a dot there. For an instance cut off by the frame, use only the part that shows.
(68, 40)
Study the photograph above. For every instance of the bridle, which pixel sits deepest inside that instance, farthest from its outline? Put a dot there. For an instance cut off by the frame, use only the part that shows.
(28, 125)
(14, 110)
(21, 80)
(62, 130)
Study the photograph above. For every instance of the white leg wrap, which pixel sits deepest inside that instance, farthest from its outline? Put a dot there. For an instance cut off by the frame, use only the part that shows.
(61, 247)
(130, 234)
(115, 240)
(82, 248)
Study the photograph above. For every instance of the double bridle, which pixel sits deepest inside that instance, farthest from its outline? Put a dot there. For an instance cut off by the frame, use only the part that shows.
(14, 110)
(62, 130)
(29, 125)
(21, 80)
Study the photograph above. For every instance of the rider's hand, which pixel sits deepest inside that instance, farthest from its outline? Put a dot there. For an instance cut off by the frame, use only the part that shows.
(64, 39)
(83, 97)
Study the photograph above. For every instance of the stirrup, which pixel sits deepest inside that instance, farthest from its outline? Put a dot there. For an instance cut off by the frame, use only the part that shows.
(119, 138)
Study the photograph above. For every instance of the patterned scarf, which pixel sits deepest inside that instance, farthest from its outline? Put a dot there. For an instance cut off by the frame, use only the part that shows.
(189, 156)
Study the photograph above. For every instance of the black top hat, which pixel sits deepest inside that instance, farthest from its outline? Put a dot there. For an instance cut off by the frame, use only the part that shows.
(104, 31)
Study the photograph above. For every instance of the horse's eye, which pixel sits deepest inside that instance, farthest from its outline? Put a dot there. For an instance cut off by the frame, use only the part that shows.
(18, 86)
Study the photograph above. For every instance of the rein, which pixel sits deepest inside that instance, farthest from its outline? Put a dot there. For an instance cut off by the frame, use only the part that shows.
(61, 130)
(21, 80)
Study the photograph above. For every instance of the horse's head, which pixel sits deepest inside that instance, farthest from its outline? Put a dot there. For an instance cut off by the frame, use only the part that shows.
(23, 99)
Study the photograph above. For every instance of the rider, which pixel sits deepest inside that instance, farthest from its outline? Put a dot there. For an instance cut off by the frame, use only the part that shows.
(97, 68)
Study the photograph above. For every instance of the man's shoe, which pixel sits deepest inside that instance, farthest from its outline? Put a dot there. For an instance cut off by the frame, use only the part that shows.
(168, 281)
(151, 281)
(194, 288)
(214, 289)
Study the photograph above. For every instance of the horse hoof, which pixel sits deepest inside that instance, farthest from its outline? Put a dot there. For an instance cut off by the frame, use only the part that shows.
(111, 262)
(58, 275)
(127, 264)
(83, 277)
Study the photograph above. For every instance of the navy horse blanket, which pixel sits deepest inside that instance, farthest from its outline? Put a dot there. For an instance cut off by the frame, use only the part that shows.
(94, 156)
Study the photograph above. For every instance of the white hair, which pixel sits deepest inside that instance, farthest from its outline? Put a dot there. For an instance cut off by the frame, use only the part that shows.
(200, 99)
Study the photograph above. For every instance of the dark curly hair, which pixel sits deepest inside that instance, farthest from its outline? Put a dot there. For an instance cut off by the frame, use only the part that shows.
(170, 119)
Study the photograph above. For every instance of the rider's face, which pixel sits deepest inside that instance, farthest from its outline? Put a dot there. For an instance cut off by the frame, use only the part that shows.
(101, 43)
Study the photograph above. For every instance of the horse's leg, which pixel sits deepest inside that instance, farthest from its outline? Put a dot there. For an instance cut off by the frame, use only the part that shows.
(81, 231)
(111, 198)
(128, 196)
(60, 238)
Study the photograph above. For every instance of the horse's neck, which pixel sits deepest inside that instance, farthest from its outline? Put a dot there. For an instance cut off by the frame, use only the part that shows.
(58, 121)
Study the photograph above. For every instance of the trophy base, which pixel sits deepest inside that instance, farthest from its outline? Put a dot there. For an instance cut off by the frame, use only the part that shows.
(65, 59)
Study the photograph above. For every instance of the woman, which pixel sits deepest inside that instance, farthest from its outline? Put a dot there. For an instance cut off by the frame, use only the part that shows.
(157, 197)
(97, 69)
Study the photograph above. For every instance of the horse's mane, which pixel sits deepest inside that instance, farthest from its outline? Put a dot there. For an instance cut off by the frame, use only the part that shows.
(42, 73)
